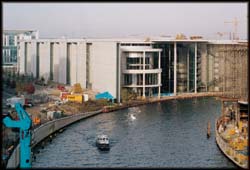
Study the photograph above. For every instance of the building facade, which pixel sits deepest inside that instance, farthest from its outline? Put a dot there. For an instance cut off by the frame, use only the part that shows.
(155, 67)
(10, 42)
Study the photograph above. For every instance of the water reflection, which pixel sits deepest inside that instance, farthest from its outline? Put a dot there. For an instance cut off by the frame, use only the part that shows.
(167, 134)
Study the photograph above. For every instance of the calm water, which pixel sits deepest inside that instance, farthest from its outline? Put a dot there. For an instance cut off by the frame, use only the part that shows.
(168, 134)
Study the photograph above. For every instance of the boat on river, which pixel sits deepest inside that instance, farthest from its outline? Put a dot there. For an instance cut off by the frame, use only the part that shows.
(102, 142)
(232, 132)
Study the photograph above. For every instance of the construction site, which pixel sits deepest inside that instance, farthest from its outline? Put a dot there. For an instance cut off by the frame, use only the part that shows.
(136, 69)
(58, 78)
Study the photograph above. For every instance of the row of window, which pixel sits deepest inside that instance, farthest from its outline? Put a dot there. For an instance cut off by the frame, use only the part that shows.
(9, 55)
(133, 44)
(12, 39)
(9, 40)
(137, 63)
(137, 79)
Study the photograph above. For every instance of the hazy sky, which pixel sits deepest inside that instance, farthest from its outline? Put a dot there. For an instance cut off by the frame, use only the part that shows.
(124, 19)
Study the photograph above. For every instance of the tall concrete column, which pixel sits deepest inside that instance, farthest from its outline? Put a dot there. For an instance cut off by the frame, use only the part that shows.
(169, 69)
(118, 65)
(159, 60)
(195, 67)
(143, 79)
(63, 61)
(159, 83)
(159, 75)
(207, 68)
(188, 70)
(77, 60)
(175, 67)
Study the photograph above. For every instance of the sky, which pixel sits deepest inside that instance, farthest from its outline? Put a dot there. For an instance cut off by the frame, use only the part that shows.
(103, 20)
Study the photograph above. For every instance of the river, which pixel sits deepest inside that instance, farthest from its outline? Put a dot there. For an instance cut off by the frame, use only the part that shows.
(170, 134)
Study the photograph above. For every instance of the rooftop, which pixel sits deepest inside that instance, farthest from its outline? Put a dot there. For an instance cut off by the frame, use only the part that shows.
(17, 31)
(136, 40)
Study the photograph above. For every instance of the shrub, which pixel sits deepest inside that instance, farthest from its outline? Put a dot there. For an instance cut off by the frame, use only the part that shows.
(13, 84)
(30, 88)
(8, 82)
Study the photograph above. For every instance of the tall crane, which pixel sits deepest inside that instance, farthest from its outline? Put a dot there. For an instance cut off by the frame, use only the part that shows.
(24, 124)
(235, 23)
(221, 34)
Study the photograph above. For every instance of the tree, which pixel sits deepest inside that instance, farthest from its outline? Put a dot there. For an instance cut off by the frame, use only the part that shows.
(22, 78)
(128, 94)
(124, 94)
(8, 82)
(32, 77)
(14, 74)
(19, 87)
(77, 88)
(8, 74)
(13, 84)
(42, 80)
(30, 88)
(18, 74)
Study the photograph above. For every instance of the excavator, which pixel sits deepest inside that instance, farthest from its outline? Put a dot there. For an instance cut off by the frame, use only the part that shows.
(24, 125)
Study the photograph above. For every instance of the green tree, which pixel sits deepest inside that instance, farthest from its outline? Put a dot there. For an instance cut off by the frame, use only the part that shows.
(8, 82)
(14, 75)
(22, 78)
(13, 84)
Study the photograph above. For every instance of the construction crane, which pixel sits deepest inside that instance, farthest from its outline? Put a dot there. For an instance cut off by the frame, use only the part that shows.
(221, 34)
(235, 24)
(24, 124)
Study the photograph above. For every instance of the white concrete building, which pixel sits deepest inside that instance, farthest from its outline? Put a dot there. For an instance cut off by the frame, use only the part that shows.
(154, 67)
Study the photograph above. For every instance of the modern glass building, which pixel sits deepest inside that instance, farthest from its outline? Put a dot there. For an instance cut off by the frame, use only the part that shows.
(10, 42)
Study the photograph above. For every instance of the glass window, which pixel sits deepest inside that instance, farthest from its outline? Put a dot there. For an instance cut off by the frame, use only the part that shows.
(11, 40)
(139, 79)
(151, 79)
(134, 63)
(127, 79)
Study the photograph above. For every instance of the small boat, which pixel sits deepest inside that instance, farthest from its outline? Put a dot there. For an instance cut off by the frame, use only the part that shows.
(102, 142)
(208, 130)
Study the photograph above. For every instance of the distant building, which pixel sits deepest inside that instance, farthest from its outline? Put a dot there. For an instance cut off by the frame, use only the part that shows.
(151, 67)
(10, 42)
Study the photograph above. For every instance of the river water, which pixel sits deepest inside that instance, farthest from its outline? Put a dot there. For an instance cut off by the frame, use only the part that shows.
(171, 134)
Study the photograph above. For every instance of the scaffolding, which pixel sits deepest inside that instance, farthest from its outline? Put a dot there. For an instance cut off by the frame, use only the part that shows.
(234, 71)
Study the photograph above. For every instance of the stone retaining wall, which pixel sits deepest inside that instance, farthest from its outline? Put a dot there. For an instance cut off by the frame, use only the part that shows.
(44, 131)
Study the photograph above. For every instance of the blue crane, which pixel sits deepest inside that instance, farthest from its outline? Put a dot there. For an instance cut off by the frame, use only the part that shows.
(24, 124)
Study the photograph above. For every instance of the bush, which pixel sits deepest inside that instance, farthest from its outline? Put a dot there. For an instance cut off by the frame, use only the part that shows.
(42, 79)
(30, 88)
(8, 82)
(13, 84)
(124, 94)
(19, 87)
(128, 94)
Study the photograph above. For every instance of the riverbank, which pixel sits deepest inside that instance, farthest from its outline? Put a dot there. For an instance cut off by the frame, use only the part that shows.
(150, 140)
(113, 107)
(134, 103)
(44, 131)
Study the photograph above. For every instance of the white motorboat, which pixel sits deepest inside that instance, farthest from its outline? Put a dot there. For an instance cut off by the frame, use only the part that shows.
(102, 142)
